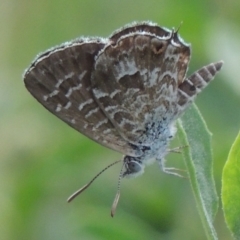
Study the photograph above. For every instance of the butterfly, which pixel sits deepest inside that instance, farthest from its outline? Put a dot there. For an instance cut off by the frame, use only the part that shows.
(125, 92)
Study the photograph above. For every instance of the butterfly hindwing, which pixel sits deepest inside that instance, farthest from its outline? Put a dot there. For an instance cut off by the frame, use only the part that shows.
(135, 81)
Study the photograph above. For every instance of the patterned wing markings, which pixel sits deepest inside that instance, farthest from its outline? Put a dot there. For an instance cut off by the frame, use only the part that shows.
(160, 32)
(144, 27)
(144, 71)
(60, 81)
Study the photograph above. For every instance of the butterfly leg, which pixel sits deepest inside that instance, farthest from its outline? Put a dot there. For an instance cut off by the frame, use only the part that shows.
(177, 149)
(172, 171)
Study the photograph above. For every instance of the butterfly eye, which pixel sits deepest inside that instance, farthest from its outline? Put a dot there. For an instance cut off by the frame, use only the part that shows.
(133, 167)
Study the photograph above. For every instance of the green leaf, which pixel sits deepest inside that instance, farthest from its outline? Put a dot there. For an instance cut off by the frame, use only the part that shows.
(231, 189)
(193, 132)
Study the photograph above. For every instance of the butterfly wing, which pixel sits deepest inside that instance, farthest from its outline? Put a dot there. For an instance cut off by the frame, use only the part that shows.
(144, 27)
(135, 82)
(60, 80)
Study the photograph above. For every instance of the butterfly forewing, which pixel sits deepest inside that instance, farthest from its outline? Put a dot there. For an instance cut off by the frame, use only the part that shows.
(60, 81)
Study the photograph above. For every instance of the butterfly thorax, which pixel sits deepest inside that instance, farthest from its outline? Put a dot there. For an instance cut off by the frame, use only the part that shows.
(134, 166)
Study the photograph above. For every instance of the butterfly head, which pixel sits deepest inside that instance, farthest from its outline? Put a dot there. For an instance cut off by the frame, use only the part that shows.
(133, 167)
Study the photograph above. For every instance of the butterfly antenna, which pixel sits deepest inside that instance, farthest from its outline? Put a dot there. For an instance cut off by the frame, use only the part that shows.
(74, 195)
(116, 199)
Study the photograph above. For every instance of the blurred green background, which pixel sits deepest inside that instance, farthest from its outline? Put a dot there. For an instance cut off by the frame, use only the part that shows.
(43, 160)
